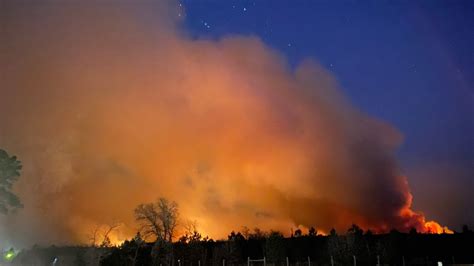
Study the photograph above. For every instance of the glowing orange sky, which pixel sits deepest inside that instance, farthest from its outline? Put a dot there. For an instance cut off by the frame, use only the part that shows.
(107, 112)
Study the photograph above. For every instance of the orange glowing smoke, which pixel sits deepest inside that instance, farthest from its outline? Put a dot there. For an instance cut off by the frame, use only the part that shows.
(109, 106)
(436, 228)
(417, 221)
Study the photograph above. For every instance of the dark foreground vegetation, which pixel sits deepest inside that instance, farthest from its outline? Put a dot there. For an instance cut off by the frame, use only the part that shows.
(393, 248)
(159, 220)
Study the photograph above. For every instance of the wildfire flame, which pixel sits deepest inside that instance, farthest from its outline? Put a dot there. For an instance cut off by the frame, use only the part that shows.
(435, 228)
(418, 221)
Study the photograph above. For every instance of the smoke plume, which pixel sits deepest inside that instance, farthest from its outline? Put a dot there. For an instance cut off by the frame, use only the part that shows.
(112, 104)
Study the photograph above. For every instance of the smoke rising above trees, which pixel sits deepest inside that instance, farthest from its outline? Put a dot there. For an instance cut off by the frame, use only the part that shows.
(111, 105)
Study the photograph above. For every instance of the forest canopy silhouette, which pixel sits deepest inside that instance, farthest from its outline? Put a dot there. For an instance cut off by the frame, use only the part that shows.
(352, 247)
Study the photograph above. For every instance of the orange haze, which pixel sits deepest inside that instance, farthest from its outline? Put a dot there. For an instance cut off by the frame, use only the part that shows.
(111, 105)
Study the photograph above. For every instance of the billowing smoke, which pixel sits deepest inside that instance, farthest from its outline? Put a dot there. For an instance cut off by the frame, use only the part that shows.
(109, 105)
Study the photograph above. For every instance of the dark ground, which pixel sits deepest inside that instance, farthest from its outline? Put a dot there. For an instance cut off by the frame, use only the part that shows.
(391, 249)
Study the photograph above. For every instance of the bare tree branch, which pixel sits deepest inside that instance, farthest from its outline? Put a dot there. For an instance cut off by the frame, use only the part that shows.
(158, 219)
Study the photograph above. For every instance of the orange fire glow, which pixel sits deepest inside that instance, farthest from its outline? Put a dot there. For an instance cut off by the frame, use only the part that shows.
(436, 228)
(418, 221)
(107, 112)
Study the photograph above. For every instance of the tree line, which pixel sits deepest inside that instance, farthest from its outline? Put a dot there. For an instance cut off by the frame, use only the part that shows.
(159, 220)
(157, 244)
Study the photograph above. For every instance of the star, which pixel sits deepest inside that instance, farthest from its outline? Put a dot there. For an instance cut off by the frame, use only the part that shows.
(206, 25)
(245, 9)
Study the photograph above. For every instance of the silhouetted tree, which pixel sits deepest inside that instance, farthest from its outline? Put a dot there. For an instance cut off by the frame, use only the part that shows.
(298, 232)
(100, 235)
(356, 244)
(139, 242)
(245, 232)
(106, 236)
(257, 234)
(312, 231)
(10, 169)
(158, 219)
(355, 230)
(191, 233)
(132, 252)
(235, 247)
(94, 235)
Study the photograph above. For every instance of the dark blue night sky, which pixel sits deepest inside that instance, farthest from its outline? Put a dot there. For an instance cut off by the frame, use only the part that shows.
(410, 63)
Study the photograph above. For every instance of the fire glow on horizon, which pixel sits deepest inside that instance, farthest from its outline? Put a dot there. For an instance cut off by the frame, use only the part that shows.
(114, 106)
